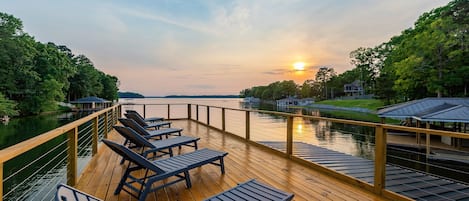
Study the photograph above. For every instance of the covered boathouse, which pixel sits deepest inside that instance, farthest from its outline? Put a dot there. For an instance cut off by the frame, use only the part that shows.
(451, 114)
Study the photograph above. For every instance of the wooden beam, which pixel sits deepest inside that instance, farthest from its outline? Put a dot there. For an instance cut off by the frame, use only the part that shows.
(197, 112)
(169, 111)
(427, 143)
(223, 119)
(72, 165)
(290, 136)
(95, 136)
(189, 111)
(380, 159)
(106, 130)
(208, 115)
(248, 126)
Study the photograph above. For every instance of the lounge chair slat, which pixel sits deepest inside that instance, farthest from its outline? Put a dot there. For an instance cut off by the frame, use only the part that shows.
(149, 119)
(252, 190)
(144, 124)
(155, 146)
(149, 133)
(261, 187)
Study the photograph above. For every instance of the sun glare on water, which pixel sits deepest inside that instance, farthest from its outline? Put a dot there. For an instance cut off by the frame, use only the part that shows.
(299, 66)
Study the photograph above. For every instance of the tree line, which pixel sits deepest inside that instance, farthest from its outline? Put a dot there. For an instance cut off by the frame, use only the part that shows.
(35, 76)
(428, 60)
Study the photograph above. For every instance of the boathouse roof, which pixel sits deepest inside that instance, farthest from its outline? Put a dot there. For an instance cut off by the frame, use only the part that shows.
(430, 109)
(90, 99)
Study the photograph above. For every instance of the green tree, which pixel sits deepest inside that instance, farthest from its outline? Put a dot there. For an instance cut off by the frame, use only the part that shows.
(323, 75)
(110, 87)
(86, 82)
(7, 107)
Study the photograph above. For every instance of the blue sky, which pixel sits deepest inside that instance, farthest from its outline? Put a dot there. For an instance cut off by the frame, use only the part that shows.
(219, 46)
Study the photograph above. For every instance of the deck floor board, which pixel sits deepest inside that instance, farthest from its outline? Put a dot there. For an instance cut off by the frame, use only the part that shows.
(244, 162)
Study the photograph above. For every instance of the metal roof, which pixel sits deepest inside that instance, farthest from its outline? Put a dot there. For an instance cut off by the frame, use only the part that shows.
(459, 113)
(430, 109)
(90, 99)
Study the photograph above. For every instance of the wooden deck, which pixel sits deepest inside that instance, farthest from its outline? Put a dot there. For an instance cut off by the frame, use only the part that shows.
(244, 161)
(408, 182)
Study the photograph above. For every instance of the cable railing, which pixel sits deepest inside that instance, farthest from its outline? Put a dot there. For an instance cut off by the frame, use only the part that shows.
(291, 135)
(30, 170)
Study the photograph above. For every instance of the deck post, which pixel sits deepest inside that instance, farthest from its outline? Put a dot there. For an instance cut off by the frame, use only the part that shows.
(290, 135)
(1, 181)
(248, 126)
(380, 159)
(106, 130)
(417, 135)
(208, 115)
(427, 150)
(95, 136)
(144, 111)
(119, 111)
(197, 112)
(169, 111)
(189, 111)
(223, 124)
(72, 165)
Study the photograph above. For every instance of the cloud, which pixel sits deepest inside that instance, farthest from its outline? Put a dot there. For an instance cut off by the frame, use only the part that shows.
(276, 72)
(157, 18)
(233, 17)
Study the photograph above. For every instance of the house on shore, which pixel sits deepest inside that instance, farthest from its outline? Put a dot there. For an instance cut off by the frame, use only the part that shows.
(292, 101)
(354, 89)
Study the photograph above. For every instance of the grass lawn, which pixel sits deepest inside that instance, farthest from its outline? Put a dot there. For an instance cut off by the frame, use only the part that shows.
(371, 104)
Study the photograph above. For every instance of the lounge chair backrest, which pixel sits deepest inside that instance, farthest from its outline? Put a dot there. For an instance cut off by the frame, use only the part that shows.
(136, 118)
(68, 193)
(132, 156)
(134, 112)
(129, 111)
(134, 125)
(133, 136)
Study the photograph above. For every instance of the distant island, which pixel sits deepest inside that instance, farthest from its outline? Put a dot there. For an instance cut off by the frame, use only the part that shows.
(196, 96)
(137, 95)
(129, 95)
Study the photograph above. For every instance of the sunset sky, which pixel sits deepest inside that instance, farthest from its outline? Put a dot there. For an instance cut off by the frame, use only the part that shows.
(216, 46)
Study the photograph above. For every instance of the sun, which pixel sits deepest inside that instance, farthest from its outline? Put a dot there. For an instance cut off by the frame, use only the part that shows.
(299, 66)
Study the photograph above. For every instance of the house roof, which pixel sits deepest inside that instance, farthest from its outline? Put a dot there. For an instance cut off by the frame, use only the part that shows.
(430, 109)
(90, 99)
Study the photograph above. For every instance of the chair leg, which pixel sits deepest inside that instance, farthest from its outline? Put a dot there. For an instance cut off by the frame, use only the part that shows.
(188, 179)
(122, 181)
(145, 192)
(222, 165)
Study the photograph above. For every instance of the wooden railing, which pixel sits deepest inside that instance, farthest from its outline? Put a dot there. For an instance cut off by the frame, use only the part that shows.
(101, 121)
(381, 130)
